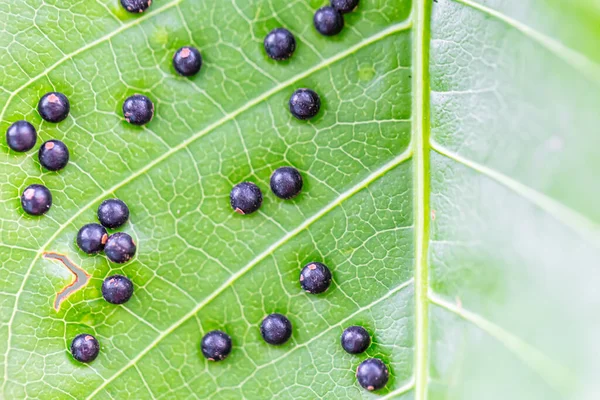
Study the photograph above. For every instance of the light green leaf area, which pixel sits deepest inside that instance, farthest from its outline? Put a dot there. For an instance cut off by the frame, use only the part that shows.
(450, 184)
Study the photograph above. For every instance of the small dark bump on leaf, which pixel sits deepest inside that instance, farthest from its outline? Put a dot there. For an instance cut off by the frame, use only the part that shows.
(276, 329)
(355, 339)
(36, 199)
(216, 345)
(372, 374)
(344, 6)
(138, 109)
(21, 136)
(54, 107)
(304, 103)
(286, 182)
(119, 248)
(136, 6)
(280, 44)
(187, 61)
(117, 289)
(53, 155)
(315, 278)
(113, 213)
(328, 21)
(245, 198)
(85, 348)
(91, 238)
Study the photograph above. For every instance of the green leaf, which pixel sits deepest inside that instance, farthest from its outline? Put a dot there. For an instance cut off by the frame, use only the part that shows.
(450, 184)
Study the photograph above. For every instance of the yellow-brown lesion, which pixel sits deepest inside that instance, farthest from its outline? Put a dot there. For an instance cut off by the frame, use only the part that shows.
(80, 281)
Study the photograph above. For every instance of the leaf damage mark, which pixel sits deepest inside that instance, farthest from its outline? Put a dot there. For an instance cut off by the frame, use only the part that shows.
(81, 277)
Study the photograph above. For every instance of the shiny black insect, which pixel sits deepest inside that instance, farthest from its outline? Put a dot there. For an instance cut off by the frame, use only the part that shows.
(245, 198)
(315, 278)
(355, 339)
(280, 44)
(344, 6)
(21, 136)
(216, 345)
(286, 182)
(36, 199)
(304, 104)
(54, 107)
(91, 238)
(113, 213)
(85, 348)
(276, 329)
(328, 21)
(119, 247)
(117, 289)
(53, 155)
(136, 6)
(187, 61)
(138, 109)
(372, 374)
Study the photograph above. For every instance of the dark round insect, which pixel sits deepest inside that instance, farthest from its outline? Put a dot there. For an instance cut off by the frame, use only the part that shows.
(372, 374)
(119, 247)
(53, 155)
(117, 289)
(54, 107)
(286, 182)
(355, 339)
(36, 199)
(85, 348)
(21, 136)
(245, 198)
(91, 238)
(280, 44)
(113, 213)
(216, 345)
(315, 277)
(138, 109)
(305, 104)
(187, 61)
(328, 21)
(276, 329)
(136, 6)
(344, 6)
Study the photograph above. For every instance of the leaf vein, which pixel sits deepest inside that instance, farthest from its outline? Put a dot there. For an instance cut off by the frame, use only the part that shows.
(555, 374)
(566, 215)
(572, 57)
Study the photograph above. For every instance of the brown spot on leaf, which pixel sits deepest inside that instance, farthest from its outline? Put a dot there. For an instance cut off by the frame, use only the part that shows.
(80, 281)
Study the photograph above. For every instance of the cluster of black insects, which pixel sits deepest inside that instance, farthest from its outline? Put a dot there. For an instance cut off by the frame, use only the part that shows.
(245, 198)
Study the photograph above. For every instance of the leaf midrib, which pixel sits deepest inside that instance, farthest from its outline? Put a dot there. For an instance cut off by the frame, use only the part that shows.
(420, 140)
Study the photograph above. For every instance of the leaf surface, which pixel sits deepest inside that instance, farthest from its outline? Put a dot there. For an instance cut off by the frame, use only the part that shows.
(449, 184)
